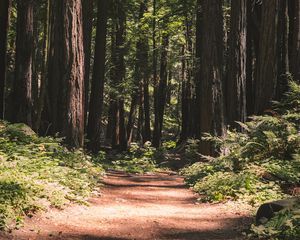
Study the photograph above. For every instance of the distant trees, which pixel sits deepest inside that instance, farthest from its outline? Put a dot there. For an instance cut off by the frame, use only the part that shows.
(4, 20)
(144, 70)
(98, 79)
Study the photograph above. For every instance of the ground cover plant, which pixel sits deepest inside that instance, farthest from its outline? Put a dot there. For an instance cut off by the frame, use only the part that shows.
(258, 164)
(38, 172)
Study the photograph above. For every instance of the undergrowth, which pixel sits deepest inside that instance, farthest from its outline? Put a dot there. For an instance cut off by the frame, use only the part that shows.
(259, 164)
(38, 172)
(138, 159)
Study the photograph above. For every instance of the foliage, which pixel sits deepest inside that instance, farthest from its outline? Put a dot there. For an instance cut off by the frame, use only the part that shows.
(253, 165)
(139, 159)
(37, 172)
(284, 225)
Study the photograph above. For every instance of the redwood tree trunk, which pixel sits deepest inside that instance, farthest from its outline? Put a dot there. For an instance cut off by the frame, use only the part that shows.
(66, 71)
(210, 92)
(282, 48)
(4, 22)
(236, 79)
(266, 70)
(87, 17)
(295, 46)
(119, 139)
(23, 73)
(96, 102)
(161, 93)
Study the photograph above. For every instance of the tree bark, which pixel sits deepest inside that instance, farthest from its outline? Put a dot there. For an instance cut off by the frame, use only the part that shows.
(282, 50)
(266, 71)
(22, 99)
(236, 79)
(161, 93)
(4, 23)
(87, 17)
(96, 101)
(210, 93)
(295, 52)
(118, 77)
(66, 71)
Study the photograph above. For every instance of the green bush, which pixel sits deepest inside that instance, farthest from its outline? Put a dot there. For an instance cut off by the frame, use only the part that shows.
(256, 163)
(37, 172)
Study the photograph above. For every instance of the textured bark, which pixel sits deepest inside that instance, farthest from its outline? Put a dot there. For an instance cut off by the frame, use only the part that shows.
(295, 52)
(66, 71)
(250, 57)
(210, 91)
(187, 123)
(4, 22)
(22, 100)
(282, 50)
(236, 79)
(87, 17)
(161, 93)
(119, 139)
(266, 72)
(96, 102)
(42, 94)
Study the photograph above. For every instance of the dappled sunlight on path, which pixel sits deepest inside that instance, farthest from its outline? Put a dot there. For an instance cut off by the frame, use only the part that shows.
(157, 206)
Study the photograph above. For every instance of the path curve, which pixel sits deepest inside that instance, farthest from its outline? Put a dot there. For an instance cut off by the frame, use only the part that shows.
(151, 206)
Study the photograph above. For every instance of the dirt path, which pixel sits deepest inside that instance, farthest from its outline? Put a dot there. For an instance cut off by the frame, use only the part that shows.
(138, 207)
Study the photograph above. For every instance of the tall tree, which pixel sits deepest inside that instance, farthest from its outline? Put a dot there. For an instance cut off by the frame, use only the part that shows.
(140, 72)
(87, 17)
(266, 70)
(66, 71)
(119, 139)
(44, 67)
(282, 49)
(210, 90)
(160, 101)
(96, 101)
(186, 72)
(4, 22)
(22, 100)
(236, 78)
(295, 38)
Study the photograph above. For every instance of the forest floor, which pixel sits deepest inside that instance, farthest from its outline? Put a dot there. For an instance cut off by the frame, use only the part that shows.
(131, 206)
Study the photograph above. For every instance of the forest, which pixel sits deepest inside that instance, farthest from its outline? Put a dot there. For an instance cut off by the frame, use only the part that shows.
(177, 117)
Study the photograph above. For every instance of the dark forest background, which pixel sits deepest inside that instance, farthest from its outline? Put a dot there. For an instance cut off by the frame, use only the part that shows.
(115, 72)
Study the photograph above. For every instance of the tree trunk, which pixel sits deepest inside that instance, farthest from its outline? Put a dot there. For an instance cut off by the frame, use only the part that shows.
(23, 73)
(96, 102)
(118, 77)
(210, 93)
(4, 22)
(140, 73)
(236, 79)
(266, 71)
(87, 18)
(42, 94)
(161, 93)
(250, 56)
(66, 72)
(295, 47)
(282, 48)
